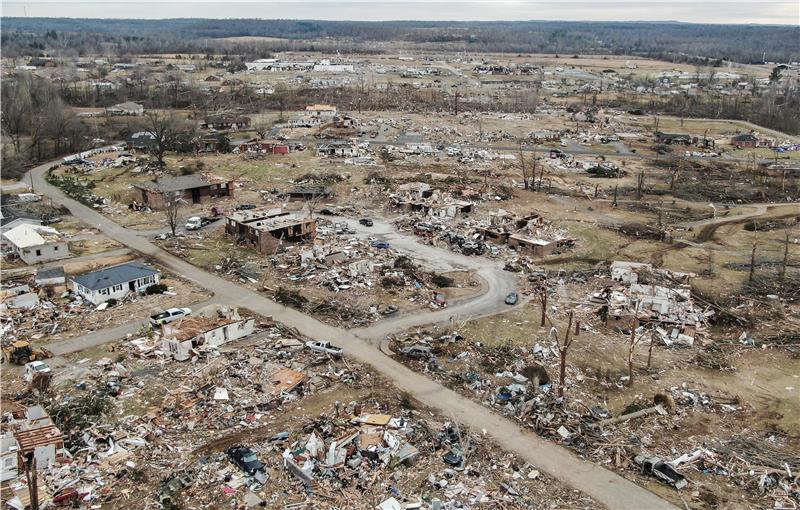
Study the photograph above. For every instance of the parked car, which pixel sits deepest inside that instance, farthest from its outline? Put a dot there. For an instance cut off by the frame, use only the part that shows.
(324, 346)
(169, 315)
(33, 368)
(366, 222)
(245, 207)
(416, 351)
(512, 298)
(379, 244)
(246, 459)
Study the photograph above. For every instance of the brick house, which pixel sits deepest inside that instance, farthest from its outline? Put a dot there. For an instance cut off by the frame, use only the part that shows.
(191, 188)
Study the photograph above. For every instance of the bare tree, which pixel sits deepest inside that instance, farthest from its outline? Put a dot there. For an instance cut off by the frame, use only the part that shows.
(753, 261)
(525, 177)
(166, 129)
(543, 301)
(785, 255)
(172, 203)
(634, 339)
(563, 350)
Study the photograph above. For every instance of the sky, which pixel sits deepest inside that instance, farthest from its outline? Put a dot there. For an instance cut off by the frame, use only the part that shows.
(695, 11)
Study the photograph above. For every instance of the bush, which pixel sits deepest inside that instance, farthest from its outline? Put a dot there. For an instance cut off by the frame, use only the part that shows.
(442, 281)
(158, 288)
(390, 281)
(112, 302)
(290, 297)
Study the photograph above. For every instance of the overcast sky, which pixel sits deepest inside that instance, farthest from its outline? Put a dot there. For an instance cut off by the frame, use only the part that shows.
(697, 11)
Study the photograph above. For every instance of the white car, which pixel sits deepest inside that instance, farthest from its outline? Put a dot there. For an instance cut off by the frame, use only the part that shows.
(326, 347)
(169, 315)
(33, 368)
(194, 223)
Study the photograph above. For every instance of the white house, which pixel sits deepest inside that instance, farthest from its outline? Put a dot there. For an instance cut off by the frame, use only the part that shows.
(321, 110)
(198, 332)
(36, 243)
(114, 282)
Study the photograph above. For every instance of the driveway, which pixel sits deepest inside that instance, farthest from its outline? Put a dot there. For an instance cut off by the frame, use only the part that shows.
(610, 489)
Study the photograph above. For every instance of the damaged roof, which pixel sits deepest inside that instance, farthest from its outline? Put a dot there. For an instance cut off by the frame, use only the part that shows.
(27, 235)
(124, 273)
(179, 183)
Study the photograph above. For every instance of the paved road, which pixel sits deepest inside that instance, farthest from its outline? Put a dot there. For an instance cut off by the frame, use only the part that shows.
(610, 489)
(497, 283)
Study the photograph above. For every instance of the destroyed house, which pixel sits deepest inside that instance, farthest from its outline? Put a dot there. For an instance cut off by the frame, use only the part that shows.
(114, 282)
(213, 142)
(129, 108)
(36, 243)
(12, 217)
(194, 333)
(268, 230)
(226, 122)
(191, 188)
(636, 300)
(309, 193)
(38, 435)
(674, 138)
(141, 140)
(337, 148)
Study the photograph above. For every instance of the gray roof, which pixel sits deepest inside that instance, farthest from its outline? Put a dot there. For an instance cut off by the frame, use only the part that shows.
(169, 184)
(11, 214)
(50, 272)
(114, 275)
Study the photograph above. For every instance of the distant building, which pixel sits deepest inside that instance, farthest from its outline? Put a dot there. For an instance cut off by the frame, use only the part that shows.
(129, 108)
(226, 122)
(115, 282)
(674, 138)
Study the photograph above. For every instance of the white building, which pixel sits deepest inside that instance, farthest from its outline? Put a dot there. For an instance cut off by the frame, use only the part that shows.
(36, 243)
(198, 332)
(115, 282)
(9, 450)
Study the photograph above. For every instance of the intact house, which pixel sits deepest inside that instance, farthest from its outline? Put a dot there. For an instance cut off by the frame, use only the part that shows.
(114, 282)
(226, 122)
(750, 141)
(129, 108)
(321, 110)
(191, 188)
(309, 193)
(744, 141)
(197, 332)
(36, 243)
(268, 230)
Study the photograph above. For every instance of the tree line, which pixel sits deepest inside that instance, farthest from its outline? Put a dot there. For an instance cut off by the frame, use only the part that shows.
(739, 43)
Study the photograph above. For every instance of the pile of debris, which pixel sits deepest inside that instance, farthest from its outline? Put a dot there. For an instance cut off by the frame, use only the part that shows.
(638, 295)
